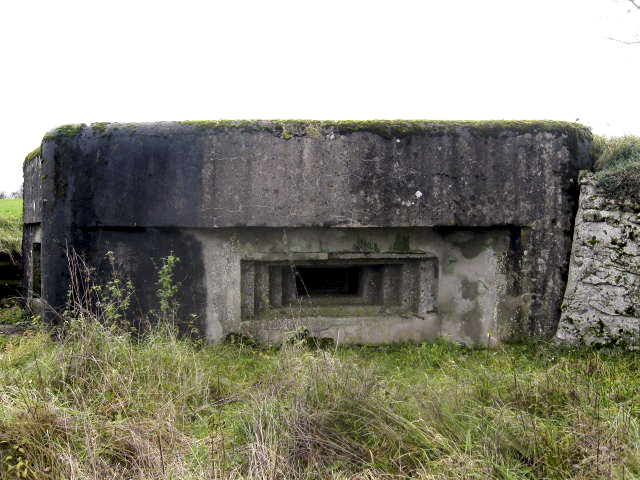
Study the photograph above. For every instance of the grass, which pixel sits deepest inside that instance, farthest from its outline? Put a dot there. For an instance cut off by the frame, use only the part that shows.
(617, 166)
(94, 401)
(14, 315)
(11, 208)
(99, 403)
(11, 226)
(91, 400)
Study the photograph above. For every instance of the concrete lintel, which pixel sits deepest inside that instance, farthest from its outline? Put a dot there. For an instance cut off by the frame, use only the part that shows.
(285, 257)
(359, 256)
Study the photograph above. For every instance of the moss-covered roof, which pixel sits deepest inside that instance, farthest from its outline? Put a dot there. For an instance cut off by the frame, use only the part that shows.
(32, 154)
(315, 128)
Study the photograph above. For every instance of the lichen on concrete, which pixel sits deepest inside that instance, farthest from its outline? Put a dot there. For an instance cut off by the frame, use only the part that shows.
(602, 299)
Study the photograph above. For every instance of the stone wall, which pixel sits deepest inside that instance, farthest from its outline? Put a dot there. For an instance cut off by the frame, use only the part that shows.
(602, 300)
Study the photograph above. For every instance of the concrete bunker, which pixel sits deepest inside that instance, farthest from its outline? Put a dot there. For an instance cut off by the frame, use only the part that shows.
(366, 232)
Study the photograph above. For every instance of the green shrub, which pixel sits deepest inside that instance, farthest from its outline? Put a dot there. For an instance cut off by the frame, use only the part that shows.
(615, 150)
(621, 181)
(618, 166)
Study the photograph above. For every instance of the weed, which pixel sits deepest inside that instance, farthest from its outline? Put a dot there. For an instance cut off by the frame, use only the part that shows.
(167, 287)
(15, 315)
(89, 302)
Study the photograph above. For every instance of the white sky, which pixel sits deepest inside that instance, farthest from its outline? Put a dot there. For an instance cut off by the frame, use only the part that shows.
(136, 60)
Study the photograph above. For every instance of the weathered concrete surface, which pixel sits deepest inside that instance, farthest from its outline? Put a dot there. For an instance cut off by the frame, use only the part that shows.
(148, 189)
(33, 200)
(469, 284)
(602, 301)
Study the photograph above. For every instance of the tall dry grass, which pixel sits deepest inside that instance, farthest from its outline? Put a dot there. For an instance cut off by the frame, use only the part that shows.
(95, 401)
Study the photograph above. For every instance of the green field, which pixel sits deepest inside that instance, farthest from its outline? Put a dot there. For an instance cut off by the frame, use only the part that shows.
(11, 208)
(11, 226)
(98, 403)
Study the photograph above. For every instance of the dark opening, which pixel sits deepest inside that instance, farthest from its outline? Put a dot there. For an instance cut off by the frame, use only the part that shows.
(36, 271)
(327, 280)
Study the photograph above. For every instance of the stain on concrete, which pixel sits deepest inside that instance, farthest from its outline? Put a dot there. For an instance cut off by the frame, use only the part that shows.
(349, 187)
(472, 324)
(469, 289)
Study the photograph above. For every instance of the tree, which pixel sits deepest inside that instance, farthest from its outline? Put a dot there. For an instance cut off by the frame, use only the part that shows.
(635, 6)
(17, 193)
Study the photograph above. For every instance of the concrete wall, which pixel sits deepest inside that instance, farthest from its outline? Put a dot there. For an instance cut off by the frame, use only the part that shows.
(33, 200)
(491, 201)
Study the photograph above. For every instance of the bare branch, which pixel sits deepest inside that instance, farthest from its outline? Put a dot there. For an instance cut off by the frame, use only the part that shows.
(634, 42)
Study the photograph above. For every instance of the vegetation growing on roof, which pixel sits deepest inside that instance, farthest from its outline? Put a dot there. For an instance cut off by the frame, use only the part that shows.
(130, 128)
(101, 128)
(578, 137)
(403, 128)
(618, 166)
(256, 125)
(69, 130)
(33, 154)
(389, 129)
(393, 128)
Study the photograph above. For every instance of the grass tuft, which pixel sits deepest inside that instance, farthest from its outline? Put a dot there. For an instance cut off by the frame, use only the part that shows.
(618, 166)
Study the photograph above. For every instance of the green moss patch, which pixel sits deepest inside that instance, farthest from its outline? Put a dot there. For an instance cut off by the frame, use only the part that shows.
(101, 128)
(32, 155)
(288, 129)
(70, 130)
(393, 128)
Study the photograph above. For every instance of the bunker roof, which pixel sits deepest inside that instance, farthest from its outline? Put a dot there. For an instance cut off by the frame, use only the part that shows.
(311, 128)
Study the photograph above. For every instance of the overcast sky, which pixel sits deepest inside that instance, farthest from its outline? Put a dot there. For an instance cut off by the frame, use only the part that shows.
(137, 60)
